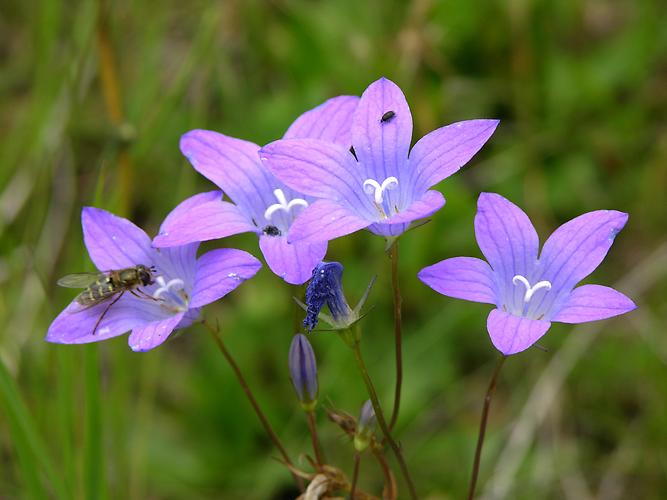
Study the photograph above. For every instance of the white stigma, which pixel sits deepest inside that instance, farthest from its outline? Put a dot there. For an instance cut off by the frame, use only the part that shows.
(165, 287)
(530, 290)
(283, 204)
(371, 186)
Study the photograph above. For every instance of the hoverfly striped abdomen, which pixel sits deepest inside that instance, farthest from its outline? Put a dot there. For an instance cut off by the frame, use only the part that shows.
(98, 291)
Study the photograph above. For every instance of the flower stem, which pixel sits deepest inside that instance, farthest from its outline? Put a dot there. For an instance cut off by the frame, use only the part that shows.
(317, 448)
(381, 420)
(389, 481)
(393, 254)
(355, 474)
(244, 385)
(482, 426)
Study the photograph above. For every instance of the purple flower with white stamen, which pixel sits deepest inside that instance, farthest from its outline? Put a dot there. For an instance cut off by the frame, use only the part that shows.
(529, 291)
(303, 371)
(261, 203)
(375, 185)
(182, 284)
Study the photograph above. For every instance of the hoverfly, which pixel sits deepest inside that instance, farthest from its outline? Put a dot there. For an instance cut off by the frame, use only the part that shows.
(107, 285)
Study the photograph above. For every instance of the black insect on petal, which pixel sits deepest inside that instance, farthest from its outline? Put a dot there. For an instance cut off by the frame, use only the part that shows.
(354, 153)
(387, 117)
(271, 231)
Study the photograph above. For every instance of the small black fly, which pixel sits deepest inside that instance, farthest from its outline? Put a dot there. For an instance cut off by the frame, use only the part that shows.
(387, 117)
(354, 153)
(271, 231)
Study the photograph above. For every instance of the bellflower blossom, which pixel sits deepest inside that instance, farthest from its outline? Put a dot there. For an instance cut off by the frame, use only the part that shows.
(326, 287)
(375, 184)
(261, 203)
(182, 284)
(530, 292)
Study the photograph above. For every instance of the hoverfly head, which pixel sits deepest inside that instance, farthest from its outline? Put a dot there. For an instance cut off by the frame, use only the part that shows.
(146, 274)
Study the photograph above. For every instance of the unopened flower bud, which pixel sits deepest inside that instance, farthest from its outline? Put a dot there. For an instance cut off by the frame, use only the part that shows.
(365, 427)
(303, 371)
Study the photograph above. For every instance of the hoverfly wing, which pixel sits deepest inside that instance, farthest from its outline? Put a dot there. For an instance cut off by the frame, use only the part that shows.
(80, 280)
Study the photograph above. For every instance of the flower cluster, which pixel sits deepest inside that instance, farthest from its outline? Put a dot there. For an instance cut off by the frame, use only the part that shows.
(343, 166)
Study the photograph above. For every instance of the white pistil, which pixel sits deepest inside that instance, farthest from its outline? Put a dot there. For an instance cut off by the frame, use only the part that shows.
(530, 290)
(166, 287)
(371, 186)
(283, 204)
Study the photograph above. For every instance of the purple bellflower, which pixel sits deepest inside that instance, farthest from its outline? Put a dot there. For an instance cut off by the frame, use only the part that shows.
(181, 284)
(261, 203)
(303, 371)
(326, 287)
(530, 292)
(375, 184)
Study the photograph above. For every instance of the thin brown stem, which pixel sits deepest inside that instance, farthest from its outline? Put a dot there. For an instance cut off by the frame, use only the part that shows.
(246, 389)
(393, 254)
(389, 482)
(382, 422)
(482, 426)
(317, 448)
(355, 474)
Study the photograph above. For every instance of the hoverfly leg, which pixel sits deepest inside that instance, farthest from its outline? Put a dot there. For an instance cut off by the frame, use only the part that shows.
(145, 295)
(99, 320)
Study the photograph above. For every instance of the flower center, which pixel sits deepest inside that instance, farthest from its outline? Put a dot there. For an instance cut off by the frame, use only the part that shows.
(530, 290)
(171, 294)
(371, 186)
(283, 204)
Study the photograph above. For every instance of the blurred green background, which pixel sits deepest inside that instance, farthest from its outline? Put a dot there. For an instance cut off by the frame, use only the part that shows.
(93, 99)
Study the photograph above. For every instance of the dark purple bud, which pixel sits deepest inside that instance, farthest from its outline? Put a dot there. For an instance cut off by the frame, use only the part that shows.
(325, 288)
(303, 371)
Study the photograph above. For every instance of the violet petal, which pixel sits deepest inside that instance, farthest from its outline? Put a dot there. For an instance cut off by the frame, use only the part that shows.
(293, 262)
(233, 165)
(324, 220)
(318, 168)
(221, 271)
(382, 130)
(465, 278)
(330, 121)
(511, 334)
(577, 247)
(145, 338)
(592, 303)
(427, 205)
(202, 217)
(442, 152)
(114, 242)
